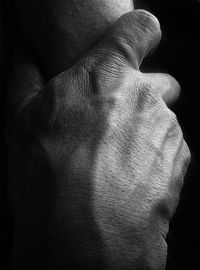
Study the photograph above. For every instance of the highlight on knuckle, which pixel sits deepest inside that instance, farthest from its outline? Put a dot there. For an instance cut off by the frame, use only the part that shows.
(172, 119)
(148, 23)
(149, 19)
(140, 25)
(174, 131)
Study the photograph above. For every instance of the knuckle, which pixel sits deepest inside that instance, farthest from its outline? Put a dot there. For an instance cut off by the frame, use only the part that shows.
(142, 18)
(172, 119)
(175, 130)
(146, 97)
(174, 123)
(147, 22)
(139, 27)
(148, 17)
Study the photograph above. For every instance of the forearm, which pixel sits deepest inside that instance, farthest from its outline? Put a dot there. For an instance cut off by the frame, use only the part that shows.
(62, 31)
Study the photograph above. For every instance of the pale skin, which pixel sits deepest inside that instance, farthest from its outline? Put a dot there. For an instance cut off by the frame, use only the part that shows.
(98, 156)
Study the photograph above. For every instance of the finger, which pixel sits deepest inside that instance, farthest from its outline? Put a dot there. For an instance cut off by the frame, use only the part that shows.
(165, 85)
(131, 38)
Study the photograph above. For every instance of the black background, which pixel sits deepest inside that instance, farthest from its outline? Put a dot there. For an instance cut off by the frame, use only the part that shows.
(179, 55)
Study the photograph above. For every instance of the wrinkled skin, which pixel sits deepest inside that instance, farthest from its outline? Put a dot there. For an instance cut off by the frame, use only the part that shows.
(99, 157)
(62, 31)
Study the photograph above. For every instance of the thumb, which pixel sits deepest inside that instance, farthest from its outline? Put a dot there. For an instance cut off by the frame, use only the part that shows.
(129, 40)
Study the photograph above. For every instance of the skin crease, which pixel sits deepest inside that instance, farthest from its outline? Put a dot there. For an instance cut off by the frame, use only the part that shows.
(98, 157)
(69, 28)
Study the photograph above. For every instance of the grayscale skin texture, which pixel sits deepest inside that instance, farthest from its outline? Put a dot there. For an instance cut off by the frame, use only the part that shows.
(63, 31)
(97, 159)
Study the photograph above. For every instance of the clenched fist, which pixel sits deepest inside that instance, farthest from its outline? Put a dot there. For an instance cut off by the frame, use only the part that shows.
(97, 158)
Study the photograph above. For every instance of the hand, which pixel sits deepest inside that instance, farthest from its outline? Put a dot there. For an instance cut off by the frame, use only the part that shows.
(104, 157)
(81, 23)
